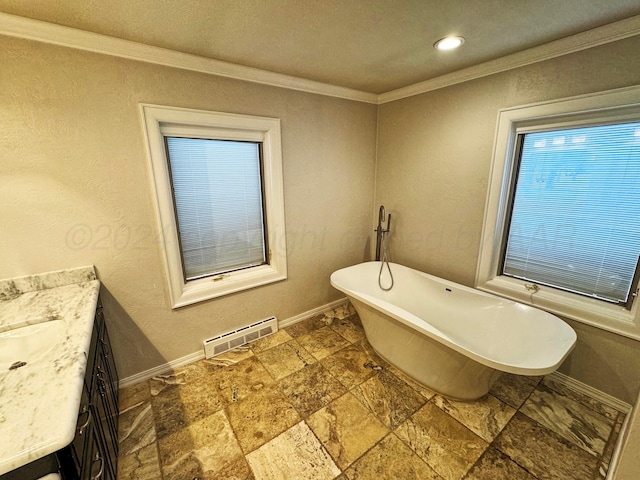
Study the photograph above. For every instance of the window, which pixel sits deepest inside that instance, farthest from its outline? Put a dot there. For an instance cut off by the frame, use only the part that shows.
(574, 220)
(218, 185)
(562, 223)
(217, 195)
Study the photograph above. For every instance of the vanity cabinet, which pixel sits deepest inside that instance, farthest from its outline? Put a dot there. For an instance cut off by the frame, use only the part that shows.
(93, 453)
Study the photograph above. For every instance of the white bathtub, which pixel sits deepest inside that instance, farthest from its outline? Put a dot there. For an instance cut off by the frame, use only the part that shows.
(454, 339)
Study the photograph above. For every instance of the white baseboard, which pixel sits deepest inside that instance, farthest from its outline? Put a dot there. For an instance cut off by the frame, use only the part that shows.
(196, 356)
(580, 387)
(311, 313)
(160, 369)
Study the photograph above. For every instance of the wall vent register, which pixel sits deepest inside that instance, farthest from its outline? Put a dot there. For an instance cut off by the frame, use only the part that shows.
(236, 338)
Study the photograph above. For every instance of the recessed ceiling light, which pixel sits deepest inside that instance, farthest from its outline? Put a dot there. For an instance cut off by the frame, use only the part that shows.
(448, 43)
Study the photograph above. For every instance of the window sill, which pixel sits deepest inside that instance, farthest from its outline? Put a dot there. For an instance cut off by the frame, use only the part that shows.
(612, 318)
(207, 288)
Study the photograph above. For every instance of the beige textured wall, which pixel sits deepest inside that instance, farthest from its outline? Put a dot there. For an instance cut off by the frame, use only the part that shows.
(434, 160)
(75, 189)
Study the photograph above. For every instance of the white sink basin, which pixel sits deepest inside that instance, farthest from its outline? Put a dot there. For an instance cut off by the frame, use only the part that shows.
(25, 345)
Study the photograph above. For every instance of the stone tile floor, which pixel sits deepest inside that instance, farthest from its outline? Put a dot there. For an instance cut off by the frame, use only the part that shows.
(315, 402)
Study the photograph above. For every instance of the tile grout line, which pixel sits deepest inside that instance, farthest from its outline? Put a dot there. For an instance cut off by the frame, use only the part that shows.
(349, 390)
(518, 411)
(303, 419)
(324, 448)
(490, 444)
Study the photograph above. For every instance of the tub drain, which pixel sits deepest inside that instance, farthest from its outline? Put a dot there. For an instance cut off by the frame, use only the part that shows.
(16, 365)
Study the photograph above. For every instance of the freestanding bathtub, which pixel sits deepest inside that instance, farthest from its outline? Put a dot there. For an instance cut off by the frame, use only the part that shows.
(453, 339)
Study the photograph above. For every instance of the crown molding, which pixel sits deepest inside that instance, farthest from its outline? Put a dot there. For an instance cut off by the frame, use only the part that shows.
(30, 29)
(581, 41)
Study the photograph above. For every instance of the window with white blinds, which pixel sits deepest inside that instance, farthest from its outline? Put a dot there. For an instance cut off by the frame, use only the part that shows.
(217, 191)
(561, 227)
(575, 216)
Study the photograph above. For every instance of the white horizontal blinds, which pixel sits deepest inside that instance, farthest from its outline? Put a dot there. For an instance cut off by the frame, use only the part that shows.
(575, 221)
(218, 199)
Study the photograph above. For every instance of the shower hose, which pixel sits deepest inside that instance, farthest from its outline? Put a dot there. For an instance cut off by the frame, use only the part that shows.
(385, 260)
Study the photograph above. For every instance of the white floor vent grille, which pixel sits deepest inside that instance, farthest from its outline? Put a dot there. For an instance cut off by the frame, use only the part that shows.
(241, 336)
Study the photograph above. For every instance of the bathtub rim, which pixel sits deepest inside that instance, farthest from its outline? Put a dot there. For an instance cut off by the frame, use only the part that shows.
(415, 322)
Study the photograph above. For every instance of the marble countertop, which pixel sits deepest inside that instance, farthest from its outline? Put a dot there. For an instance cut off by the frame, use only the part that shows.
(39, 402)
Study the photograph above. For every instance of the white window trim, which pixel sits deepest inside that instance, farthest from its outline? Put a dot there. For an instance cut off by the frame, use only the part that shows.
(621, 104)
(157, 119)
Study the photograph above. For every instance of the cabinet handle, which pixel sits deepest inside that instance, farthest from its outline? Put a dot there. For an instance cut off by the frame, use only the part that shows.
(102, 385)
(87, 410)
(99, 475)
(107, 349)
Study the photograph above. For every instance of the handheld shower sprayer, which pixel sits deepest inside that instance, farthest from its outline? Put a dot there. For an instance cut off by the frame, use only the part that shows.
(380, 231)
(381, 247)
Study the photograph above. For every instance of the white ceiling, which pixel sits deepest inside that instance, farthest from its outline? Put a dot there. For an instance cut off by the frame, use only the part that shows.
(372, 46)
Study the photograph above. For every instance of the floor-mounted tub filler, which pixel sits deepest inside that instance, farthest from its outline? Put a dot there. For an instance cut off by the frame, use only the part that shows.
(453, 339)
